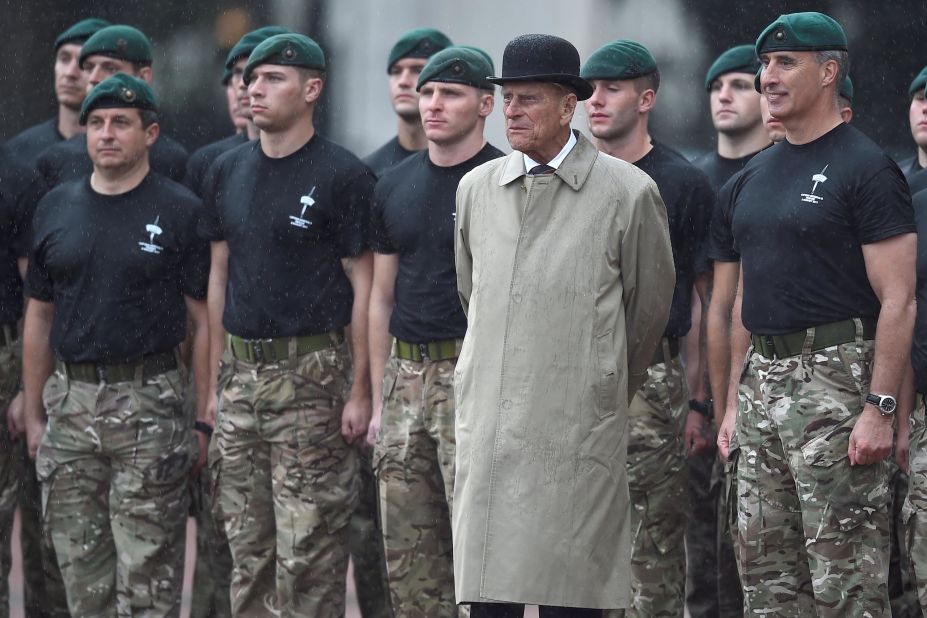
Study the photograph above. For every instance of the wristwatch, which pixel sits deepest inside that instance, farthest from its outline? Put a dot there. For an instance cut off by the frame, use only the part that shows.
(203, 428)
(885, 403)
(702, 407)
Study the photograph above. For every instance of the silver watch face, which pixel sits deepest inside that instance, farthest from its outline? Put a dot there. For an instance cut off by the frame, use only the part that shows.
(888, 405)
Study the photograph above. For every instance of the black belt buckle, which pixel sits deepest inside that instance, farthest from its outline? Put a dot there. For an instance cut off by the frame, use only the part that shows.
(258, 350)
(423, 350)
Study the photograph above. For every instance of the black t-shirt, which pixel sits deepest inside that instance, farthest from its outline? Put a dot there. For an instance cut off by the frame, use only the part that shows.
(800, 215)
(688, 198)
(719, 169)
(117, 268)
(199, 162)
(288, 223)
(386, 156)
(914, 173)
(413, 213)
(919, 350)
(69, 160)
(721, 245)
(20, 189)
(32, 142)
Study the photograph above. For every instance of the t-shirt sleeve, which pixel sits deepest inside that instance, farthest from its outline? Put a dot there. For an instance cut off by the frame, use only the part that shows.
(882, 206)
(27, 199)
(379, 235)
(209, 226)
(352, 219)
(722, 247)
(195, 265)
(703, 199)
(38, 281)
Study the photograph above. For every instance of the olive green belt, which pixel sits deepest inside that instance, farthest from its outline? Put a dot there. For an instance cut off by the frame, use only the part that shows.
(279, 349)
(659, 356)
(825, 336)
(8, 334)
(143, 369)
(433, 351)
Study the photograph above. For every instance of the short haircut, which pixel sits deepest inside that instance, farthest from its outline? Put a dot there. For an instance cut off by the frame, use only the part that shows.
(305, 74)
(650, 81)
(839, 56)
(148, 116)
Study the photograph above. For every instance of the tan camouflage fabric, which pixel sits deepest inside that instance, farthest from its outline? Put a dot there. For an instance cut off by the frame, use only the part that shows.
(915, 505)
(9, 469)
(658, 480)
(414, 462)
(286, 484)
(212, 573)
(114, 465)
(814, 531)
(365, 542)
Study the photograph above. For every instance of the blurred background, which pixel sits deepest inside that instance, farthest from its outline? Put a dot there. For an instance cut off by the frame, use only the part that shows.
(191, 39)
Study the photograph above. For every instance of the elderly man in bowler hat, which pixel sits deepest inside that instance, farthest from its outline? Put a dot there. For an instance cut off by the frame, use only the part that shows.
(565, 271)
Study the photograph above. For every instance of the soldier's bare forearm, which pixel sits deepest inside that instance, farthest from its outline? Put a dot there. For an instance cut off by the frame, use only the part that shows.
(38, 358)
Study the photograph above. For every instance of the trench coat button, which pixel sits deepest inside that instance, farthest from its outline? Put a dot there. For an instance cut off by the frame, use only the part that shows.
(506, 404)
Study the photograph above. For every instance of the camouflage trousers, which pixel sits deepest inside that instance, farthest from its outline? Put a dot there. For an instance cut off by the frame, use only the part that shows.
(657, 478)
(365, 541)
(915, 505)
(286, 484)
(414, 463)
(9, 468)
(114, 465)
(813, 530)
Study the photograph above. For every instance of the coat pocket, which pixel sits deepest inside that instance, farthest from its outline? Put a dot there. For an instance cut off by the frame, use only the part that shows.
(607, 385)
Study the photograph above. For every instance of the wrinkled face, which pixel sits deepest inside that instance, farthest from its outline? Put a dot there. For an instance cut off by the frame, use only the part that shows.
(791, 83)
(235, 115)
(451, 112)
(918, 116)
(241, 88)
(774, 128)
(403, 77)
(613, 109)
(279, 97)
(735, 104)
(116, 139)
(70, 87)
(535, 113)
(98, 67)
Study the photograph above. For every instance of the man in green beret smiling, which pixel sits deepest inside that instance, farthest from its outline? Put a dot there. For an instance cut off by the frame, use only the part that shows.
(665, 424)
(414, 299)
(565, 273)
(914, 167)
(823, 226)
(287, 216)
(70, 89)
(405, 62)
(113, 49)
(115, 270)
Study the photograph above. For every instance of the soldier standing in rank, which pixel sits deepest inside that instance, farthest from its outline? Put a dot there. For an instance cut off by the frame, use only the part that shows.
(19, 191)
(817, 424)
(558, 340)
(287, 217)
(199, 162)
(665, 425)
(115, 269)
(70, 90)
(405, 62)
(414, 299)
(914, 167)
(111, 50)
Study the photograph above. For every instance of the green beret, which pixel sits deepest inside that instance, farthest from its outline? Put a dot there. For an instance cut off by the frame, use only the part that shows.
(120, 90)
(288, 49)
(247, 43)
(740, 59)
(458, 65)
(846, 89)
(802, 32)
(418, 43)
(80, 32)
(483, 53)
(919, 83)
(120, 42)
(621, 59)
(756, 80)
(226, 76)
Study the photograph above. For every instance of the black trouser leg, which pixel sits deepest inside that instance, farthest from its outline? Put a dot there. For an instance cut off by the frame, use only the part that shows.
(497, 610)
(549, 611)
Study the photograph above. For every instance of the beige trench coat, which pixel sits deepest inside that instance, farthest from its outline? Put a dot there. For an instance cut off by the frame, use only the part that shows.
(566, 281)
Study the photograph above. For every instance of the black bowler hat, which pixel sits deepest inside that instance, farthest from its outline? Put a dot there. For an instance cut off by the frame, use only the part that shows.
(543, 58)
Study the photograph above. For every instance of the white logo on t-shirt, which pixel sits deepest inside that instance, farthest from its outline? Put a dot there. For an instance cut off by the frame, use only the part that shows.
(153, 230)
(811, 198)
(306, 201)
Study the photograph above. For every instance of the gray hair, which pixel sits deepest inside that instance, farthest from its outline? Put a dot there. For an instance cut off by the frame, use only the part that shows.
(839, 56)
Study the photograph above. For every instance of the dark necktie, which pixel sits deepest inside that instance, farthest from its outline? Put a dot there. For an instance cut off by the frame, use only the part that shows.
(540, 170)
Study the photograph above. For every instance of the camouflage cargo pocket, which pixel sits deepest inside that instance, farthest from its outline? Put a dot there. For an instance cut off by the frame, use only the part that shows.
(666, 515)
(390, 373)
(852, 493)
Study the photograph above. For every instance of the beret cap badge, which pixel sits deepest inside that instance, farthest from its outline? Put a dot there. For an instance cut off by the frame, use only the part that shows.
(122, 45)
(128, 95)
(288, 53)
(457, 69)
(780, 34)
